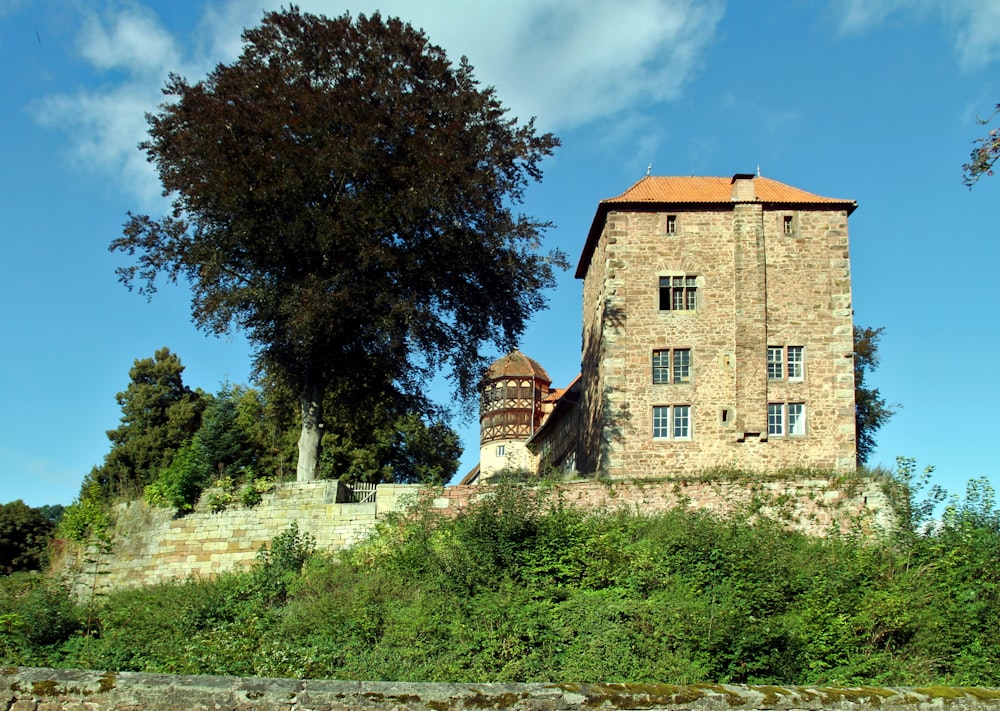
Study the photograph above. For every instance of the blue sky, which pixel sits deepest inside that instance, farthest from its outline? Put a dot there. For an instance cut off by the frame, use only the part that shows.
(871, 100)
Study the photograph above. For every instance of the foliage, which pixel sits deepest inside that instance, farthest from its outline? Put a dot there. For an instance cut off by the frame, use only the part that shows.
(225, 442)
(24, 535)
(985, 153)
(52, 512)
(267, 416)
(37, 617)
(402, 449)
(913, 497)
(88, 517)
(343, 193)
(871, 411)
(522, 587)
(279, 565)
(400, 439)
(180, 484)
(159, 414)
(253, 493)
(223, 449)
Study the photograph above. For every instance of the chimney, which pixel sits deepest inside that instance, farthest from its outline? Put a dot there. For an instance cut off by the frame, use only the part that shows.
(742, 190)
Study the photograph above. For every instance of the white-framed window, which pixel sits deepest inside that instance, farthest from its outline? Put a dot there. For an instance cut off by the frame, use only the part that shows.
(775, 363)
(678, 293)
(501, 450)
(671, 225)
(785, 361)
(786, 418)
(672, 366)
(672, 422)
(775, 419)
(796, 362)
(796, 419)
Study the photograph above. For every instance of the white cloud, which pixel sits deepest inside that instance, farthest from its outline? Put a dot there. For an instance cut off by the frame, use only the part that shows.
(566, 63)
(861, 15)
(972, 25)
(571, 63)
(134, 52)
(977, 31)
(131, 39)
(107, 128)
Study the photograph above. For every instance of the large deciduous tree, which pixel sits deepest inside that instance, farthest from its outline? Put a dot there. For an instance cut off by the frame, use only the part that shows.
(347, 196)
(870, 409)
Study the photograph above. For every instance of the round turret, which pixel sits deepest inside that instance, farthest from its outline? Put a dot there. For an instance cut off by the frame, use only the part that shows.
(510, 411)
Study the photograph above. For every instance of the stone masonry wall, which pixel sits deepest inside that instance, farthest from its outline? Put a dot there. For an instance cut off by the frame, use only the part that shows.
(25, 689)
(758, 286)
(150, 545)
(153, 545)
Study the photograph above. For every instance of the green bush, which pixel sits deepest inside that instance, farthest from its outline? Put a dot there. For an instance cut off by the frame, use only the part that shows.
(37, 615)
(180, 484)
(87, 518)
(520, 587)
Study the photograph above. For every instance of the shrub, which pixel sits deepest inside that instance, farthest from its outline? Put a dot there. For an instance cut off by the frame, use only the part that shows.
(180, 484)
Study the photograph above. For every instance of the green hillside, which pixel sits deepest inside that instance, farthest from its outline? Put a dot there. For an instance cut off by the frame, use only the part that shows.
(522, 588)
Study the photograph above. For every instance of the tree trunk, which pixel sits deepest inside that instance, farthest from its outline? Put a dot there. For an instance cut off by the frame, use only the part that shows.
(309, 439)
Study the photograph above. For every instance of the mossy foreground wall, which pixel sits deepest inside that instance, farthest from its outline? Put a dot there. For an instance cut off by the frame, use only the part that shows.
(23, 689)
(151, 545)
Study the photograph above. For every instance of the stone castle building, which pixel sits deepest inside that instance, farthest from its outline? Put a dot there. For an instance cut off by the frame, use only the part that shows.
(717, 331)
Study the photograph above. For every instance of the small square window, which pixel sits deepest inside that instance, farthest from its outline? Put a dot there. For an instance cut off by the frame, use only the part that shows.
(661, 422)
(501, 450)
(682, 422)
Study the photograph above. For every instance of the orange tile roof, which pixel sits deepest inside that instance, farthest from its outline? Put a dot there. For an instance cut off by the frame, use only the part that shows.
(698, 190)
(693, 189)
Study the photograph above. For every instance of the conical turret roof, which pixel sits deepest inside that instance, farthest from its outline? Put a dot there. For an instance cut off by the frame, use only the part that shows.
(517, 365)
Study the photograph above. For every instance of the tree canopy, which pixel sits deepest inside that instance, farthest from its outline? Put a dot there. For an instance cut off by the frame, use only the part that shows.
(870, 409)
(346, 195)
(159, 413)
(24, 535)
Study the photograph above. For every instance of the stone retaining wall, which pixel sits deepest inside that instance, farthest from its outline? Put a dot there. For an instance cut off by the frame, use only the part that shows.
(25, 689)
(151, 545)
